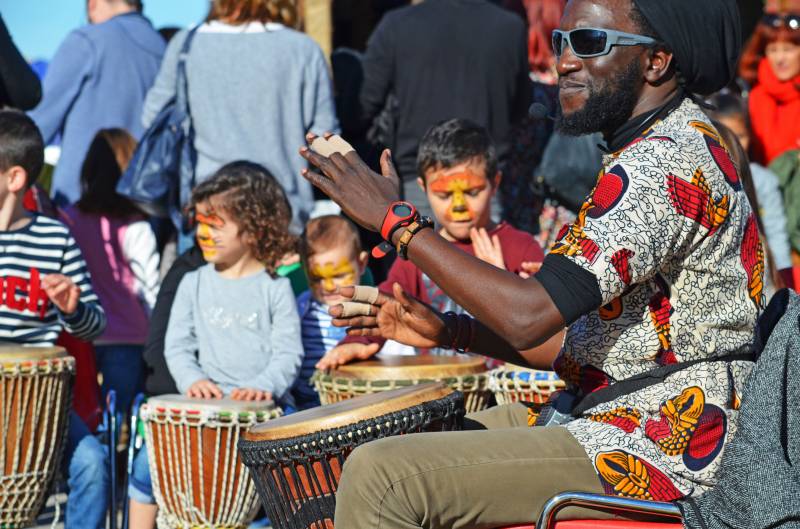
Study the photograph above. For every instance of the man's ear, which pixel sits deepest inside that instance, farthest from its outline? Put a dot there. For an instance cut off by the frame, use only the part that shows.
(17, 179)
(421, 183)
(659, 67)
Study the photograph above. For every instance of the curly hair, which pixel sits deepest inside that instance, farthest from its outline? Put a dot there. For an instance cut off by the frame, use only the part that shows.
(255, 200)
(243, 11)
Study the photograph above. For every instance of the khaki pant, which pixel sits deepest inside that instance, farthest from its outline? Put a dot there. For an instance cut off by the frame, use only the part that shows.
(472, 479)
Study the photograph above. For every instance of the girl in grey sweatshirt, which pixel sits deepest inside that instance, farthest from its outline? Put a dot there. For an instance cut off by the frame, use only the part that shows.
(234, 329)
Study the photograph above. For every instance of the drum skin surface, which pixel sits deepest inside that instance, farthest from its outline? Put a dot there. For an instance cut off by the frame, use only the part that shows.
(35, 397)
(467, 374)
(198, 478)
(296, 461)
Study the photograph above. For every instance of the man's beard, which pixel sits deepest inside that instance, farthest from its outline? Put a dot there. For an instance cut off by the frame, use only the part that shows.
(607, 107)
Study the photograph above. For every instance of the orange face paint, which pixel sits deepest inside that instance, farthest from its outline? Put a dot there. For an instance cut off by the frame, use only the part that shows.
(205, 239)
(457, 186)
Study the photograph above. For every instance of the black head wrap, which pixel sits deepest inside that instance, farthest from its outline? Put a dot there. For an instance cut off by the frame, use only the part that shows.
(705, 37)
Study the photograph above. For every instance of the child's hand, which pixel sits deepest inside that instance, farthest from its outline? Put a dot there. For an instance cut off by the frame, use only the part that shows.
(62, 292)
(345, 353)
(204, 389)
(487, 248)
(250, 394)
(529, 268)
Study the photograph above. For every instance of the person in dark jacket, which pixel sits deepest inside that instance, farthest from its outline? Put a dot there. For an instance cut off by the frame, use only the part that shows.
(19, 86)
(158, 381)
(445, 59)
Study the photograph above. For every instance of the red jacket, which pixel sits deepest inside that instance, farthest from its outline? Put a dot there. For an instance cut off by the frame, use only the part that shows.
(518, 247)
(774, 115)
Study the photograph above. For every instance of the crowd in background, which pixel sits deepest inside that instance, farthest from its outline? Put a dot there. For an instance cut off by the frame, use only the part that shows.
(257, 84)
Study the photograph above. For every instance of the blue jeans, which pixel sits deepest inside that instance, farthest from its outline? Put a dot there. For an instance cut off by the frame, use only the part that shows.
(140, 487)
(88, 478)
(123, 370)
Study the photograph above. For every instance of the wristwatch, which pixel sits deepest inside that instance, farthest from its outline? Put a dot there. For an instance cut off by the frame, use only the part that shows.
(399, 215)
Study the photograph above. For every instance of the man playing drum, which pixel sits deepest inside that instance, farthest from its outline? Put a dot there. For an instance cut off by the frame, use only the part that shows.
(661, 274)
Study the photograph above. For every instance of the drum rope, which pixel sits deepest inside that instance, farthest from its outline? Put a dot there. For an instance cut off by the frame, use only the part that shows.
(35, 410)
(287, 471)
(332, 388)
(231, 500)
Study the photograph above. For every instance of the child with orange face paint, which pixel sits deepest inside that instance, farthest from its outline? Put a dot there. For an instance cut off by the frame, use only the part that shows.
(332, 257)
(234, 303)
(457, 166)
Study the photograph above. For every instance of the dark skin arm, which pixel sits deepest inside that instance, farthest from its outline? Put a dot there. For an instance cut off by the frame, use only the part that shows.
(403, 318)
(518, 309)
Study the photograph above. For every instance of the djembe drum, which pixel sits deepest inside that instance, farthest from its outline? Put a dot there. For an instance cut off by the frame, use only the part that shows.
(512, 383)
(198, 479)
(296, 461)
(35, 397)
(467, 374)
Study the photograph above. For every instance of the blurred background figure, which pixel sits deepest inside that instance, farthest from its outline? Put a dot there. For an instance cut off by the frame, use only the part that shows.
(256, 87)
(97, 79)
(443, 59)
(120, 251)
(771, 65)
(19, 85)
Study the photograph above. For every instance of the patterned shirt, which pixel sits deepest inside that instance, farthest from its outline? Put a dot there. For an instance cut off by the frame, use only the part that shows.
(671, 239)
(319, 336)
(27, 255)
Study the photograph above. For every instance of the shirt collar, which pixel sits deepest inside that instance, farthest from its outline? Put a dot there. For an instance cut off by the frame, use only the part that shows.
(637, 125)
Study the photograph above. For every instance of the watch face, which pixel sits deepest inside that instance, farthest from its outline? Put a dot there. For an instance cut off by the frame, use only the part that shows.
(401, 210)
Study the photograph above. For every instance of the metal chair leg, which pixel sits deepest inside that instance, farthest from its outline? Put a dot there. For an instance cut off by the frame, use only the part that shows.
(111, 416)
(605, 503)
(133, 446)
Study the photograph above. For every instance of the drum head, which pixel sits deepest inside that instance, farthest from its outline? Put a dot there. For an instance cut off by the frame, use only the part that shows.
(412, 368)
(181, 402)
(12, 353)
(347, 412)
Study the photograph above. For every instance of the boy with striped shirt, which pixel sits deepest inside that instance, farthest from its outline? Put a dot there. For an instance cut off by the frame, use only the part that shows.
(44, 288)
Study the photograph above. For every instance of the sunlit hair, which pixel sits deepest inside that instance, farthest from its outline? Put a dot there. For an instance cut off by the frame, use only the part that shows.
(107, 158)
(255, 201)
(543, 17)
(327, 233)
(755, 49)
(237, 12)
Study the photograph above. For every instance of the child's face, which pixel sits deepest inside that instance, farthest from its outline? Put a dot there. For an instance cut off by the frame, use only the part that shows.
(738, 126)
(460, 197)
(337, 267)
(218, 236)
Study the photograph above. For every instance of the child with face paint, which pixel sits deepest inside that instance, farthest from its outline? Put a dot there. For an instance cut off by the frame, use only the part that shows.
(332, 257)
(457, 166)
(233, 329)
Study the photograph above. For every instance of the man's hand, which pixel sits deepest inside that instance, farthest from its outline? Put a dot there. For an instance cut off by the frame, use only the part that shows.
(346, 353)
(204, 389)
(62, 292)
(400, 318)
(487, 249)
(362, 194)
(250, 394)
